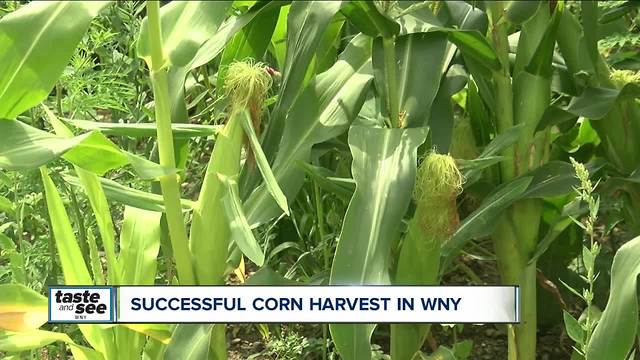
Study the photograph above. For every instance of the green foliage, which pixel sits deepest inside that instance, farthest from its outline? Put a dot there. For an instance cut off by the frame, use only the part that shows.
(268, 142)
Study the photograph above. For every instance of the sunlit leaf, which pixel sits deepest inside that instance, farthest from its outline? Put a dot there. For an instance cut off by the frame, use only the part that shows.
(36, 43)
(21, 309)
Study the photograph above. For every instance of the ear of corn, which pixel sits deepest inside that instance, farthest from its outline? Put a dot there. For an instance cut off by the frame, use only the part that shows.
(438, 183)
(246, 86)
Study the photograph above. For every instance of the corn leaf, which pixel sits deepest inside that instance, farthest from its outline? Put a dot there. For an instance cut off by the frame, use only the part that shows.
(190, 342)
(441, 113)
(34, 339)
(159, 332)
(541, 60)
(129, 196)
(186, 26)
(250, 43)
(573, 48)
(482, 221)
(278, 47)
(416, 53)
(73, 267)
(595, 103)
(240, 230)
(99, 205)
(21, 309)
(94, 259)
(520, 11)
(306, 24)
(36, 43)
(326, 179)
(463, 15)
(615, 333)
(138, 130)
(216, 43)
(25, 147)
(384, 166)
(263, 163)
(324, 110)
(139, 246)
(369, 19)
(530, 38)
(471, 43)
(618, 11)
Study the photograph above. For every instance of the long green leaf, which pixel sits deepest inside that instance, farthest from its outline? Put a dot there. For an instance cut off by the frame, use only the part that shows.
(441, 121)
(73, 267)
(240, 231)
(36, 43)
(370, 20)
(137, 130)
(305, 27)
(139, 246)
(129, 196)
(420, 60)
(25, 147)
(216, 43)
(251, 42)
(34, 339)
(21, 309)
(595, 103)
(263, 163)
(471, 43)
(482, 221)
(98, 201)
(616, 331)
(190, 342)
(186, 26)
(324, 110)
(384, 167)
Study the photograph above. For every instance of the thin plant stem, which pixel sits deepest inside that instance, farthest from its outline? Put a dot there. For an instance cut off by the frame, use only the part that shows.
(59, 99)
(168, 183)
(326, 255)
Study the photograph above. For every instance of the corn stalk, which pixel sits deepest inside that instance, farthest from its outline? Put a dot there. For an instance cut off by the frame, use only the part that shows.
(168, 183)
(522, 96)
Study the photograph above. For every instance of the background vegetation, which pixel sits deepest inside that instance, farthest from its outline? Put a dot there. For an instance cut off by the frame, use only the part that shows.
(323, 142)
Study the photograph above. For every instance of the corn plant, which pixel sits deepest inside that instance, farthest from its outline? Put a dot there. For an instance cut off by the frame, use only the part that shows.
(318, 142)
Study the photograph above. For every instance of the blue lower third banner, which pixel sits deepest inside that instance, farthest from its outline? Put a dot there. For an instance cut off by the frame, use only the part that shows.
(284, 304)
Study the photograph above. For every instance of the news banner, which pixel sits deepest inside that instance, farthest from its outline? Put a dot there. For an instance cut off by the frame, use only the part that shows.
(284, 304)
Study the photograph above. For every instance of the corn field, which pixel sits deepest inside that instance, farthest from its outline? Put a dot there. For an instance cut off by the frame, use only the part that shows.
(323, 143)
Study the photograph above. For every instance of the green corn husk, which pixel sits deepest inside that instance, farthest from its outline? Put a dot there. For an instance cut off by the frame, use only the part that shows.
(463, 144)
(438, 183)
(246, 86)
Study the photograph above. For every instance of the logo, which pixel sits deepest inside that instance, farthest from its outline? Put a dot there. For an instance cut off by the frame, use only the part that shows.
(81, 304)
